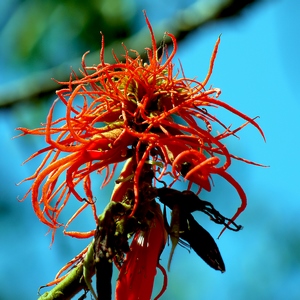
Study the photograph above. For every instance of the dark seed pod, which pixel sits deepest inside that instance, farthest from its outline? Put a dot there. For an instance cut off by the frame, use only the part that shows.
(185, 227)
(201, 242)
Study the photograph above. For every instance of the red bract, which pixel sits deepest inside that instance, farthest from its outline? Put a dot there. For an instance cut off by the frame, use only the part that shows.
(137, 274)
(142, 113)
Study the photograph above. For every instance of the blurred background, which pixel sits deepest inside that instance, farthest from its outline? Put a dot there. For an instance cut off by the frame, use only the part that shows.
(258, 70)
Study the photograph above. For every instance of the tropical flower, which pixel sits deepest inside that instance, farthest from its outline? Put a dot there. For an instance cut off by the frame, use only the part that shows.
(143, 113)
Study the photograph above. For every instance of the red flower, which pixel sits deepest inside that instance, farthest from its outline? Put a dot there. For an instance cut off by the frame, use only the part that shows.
(145, 114)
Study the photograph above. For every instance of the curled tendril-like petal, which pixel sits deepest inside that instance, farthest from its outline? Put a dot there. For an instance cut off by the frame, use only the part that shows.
(125, 107)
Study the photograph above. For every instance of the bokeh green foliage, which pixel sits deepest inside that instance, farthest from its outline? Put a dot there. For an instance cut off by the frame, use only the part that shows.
(45, 33)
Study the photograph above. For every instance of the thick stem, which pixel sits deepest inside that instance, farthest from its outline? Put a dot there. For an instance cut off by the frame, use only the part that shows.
(68, 287)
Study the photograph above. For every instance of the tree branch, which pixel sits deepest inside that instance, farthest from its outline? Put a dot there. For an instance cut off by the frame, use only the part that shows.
(39, 84)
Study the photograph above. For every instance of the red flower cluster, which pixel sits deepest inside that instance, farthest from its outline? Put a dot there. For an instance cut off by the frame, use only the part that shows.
(142, 113)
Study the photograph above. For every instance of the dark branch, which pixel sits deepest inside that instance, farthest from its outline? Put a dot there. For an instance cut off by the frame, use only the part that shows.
(39, 84)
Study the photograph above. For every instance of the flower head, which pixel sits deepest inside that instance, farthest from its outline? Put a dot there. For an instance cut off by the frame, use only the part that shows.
(143, 113)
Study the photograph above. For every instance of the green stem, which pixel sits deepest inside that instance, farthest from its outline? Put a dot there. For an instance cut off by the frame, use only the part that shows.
(68, 287)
